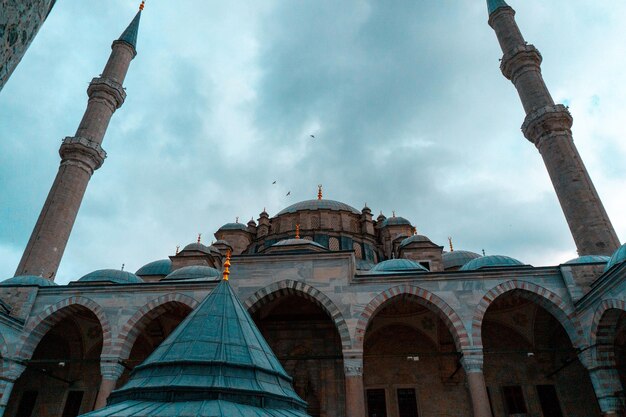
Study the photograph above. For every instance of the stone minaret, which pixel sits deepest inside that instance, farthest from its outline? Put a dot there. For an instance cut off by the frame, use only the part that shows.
(548, 126)
(81, 155)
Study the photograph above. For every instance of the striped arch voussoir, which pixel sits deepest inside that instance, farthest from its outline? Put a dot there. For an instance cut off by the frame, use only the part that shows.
(290, 287)
(138, 322)
(539, 295)
(423, 297)
(603, 330)
(37, 327)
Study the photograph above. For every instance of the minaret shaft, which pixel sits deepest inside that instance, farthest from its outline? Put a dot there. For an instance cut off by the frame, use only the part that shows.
(548, 126)
(81, 155)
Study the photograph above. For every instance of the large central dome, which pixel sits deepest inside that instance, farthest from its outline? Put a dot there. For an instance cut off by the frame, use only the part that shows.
(318, 205)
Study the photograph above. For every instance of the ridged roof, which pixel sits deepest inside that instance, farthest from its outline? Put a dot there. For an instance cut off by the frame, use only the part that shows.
(215, 363)
(489, 262)
(111, 275)
(414, 239)
(160, 267)
(318, 205)
(457, 258)
(618, 257)
(395, 221)
(129, 35)
(29, 280)
(397, 265)
(588, 259)
(194, 272)
(493, 5)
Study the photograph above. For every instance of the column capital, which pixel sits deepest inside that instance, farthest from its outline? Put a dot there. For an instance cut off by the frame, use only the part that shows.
(472, 360)
(111, 368)
(353, 362)
(546, 122)
(11, 370)
(520, 59)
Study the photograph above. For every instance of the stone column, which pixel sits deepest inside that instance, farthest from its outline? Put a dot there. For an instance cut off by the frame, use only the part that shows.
(606, 383)
(355, 393)
(472, 362)
(9, 375)
(111, 370)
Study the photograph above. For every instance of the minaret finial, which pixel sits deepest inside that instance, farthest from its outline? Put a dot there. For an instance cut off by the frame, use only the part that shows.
(142, 5)
(298, 231)
(450, 242)
(319, 192)
(226, 272)
(199, 237)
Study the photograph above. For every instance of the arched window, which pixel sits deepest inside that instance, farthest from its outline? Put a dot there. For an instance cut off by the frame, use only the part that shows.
(333, 243)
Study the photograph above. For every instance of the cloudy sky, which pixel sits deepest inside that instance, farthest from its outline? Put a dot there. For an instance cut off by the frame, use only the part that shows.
(405, 98)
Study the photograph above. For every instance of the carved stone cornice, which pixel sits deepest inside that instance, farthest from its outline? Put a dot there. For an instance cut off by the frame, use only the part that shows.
(546, 122)
(353, 362)
(82, 152)
(111, 368)
(519, 60)
(104, 88)
(472, 360)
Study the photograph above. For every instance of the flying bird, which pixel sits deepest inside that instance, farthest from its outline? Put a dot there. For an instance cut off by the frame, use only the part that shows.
(289, 193)
(313, 136)
(274, 182)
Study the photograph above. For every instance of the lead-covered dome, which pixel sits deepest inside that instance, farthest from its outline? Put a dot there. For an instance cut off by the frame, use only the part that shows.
(197, 247)
(319, 205)
(457, 258)
(395, 221)
(588, 259)
(490, 261)
(160, 267)
(114, 276)
(233, 226)
(618, 257)
(29, 280)
(414, 239)
(398, 265)
(194, 273)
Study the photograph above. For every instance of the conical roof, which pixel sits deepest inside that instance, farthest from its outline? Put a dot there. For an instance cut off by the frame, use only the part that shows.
(130, 34)
(493, 5)
(216, 363)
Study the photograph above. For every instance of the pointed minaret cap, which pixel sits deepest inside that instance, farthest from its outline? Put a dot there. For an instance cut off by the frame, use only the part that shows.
(215, 363)
(129, 36)
(493, 5)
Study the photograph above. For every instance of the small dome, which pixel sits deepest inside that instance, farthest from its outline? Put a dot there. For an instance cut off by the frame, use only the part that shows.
(160, 267)
(197, 247)
(414, 239)
(194, 273)
(588, 259)
(111, 275)
(221, 242)
(395, 221)
(618, 257)
(398, 265)
(234, 226)
(457, 258)
(318, 205)
(489, 262)
(29, 280)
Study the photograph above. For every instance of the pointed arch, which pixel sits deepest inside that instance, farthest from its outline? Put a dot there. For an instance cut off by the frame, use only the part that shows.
(291, 287)
(603, 330)
(37, 327)
(138, 322)
(425, 298)
(542, 296)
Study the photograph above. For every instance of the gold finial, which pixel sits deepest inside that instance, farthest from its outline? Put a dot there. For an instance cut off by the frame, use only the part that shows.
(226, 272)
(450, 242)
(177, 249)
(142, 5)
(319, 192)
(298, 231)
(199, 237)
(414, 230)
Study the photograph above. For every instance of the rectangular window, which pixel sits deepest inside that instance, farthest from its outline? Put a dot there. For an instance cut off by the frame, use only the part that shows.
(514, 399)
(27, 404)
(72, 404)
(376, 403)
(549, 401)
(407, 403)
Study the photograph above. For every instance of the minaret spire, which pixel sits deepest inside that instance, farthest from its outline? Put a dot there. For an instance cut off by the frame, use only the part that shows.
(81, 155)
(548, 126)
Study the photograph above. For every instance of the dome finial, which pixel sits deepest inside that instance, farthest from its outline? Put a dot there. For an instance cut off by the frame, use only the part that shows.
(177, 249)
(226, 272)
(199, 237)
(298, 231)
(393, 213)
(319, 192)
(450, 242)
(123, 265)
(142, 5)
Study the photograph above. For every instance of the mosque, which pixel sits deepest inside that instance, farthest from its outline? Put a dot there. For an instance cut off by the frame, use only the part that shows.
(329, 311)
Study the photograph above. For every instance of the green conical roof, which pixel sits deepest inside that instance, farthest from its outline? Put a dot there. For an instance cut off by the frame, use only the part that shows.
(494, 5)
(216, 363)
(130, 34)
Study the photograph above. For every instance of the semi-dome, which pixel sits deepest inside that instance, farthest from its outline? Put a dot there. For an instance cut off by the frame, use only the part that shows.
(588, 259)
(618, 257)
(29, 280)
(195, 273)
(233, 226)
(395, 221)
(490, 262)
(160, 267)
(296, 245)
(115, 276)
(197, 247)
(318, 205)
(414, 239)
(457, 258)
(398, 265)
